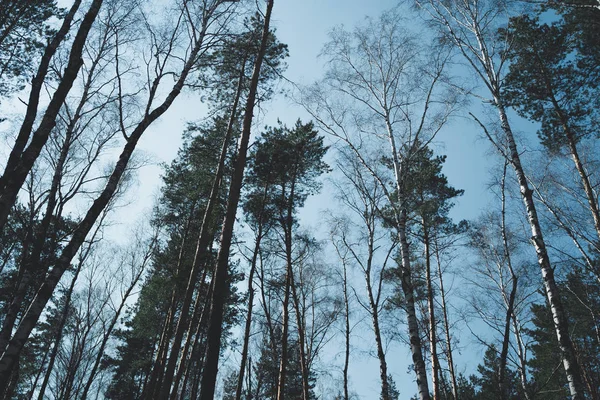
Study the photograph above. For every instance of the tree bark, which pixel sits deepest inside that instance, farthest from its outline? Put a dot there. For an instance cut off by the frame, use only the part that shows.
(21, 161)
(346, 333)
(449, 354)
(284, 338)
(435, 364)
(559, 317)
(215, 326)
(201, 250)
(11, 353)
(253, 262)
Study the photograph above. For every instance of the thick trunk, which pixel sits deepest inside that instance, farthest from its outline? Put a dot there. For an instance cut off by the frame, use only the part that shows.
(215, 326)
(561, 324)
(28, 322)
(21, 161)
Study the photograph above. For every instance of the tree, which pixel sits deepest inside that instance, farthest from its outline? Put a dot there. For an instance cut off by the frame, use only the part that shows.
(24, 30)
(471, 28)
(582, 297)
(553, 81)
(290, 160)
(197, 20)
(215, 324)
(381, 96)
(359, 192)
(432, 198)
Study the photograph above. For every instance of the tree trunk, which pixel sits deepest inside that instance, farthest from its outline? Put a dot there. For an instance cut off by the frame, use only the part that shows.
(259, 236)
(301, 339)
(61, 327)
(284, 339)
(21, 161)
(435, 364)
(346, 333)
(561, 324)
(201, 250)
(449, 355)
(405, 271)
(510, 304)
(215, 326)
(28, 322)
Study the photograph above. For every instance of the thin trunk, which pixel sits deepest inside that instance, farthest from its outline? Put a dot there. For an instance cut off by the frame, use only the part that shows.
(112, 324)
(284, 339)
(215, 327)
(198, 320)
(435, 364)
(60, 330)
(374, 305)
(449, 355)
(346, 333)
(511, 298)
(301, 339)
(157, 371)
(253, 262)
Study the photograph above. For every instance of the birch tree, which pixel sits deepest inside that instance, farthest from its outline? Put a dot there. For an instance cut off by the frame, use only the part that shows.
(381, 90)
(471, 27)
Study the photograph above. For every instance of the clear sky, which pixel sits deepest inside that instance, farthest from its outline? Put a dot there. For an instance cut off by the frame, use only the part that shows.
(304, 26)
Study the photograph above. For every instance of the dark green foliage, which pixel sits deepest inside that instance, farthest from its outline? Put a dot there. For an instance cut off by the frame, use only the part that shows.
(429, 195)
(188, 182)
(581, 297)
(484, 385)
(393, 392)
(266, 371)
(290, 160)
(554, 78)
(24, 30)
(235, 58)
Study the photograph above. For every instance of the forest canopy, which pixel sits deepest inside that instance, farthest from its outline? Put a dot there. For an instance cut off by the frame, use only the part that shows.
(314, 237)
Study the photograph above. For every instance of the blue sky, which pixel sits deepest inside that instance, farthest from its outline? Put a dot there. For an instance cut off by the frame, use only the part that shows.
(304, 26)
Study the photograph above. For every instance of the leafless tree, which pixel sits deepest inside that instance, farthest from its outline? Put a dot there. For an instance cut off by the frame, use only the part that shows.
(379, 91)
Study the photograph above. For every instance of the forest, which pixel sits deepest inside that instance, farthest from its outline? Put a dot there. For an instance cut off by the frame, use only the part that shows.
(222, 290)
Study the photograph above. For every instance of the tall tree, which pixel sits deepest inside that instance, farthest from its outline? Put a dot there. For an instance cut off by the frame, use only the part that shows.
(381, 96)
(197, 20)
(215, 324)
(553, 80)
(471, 28)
